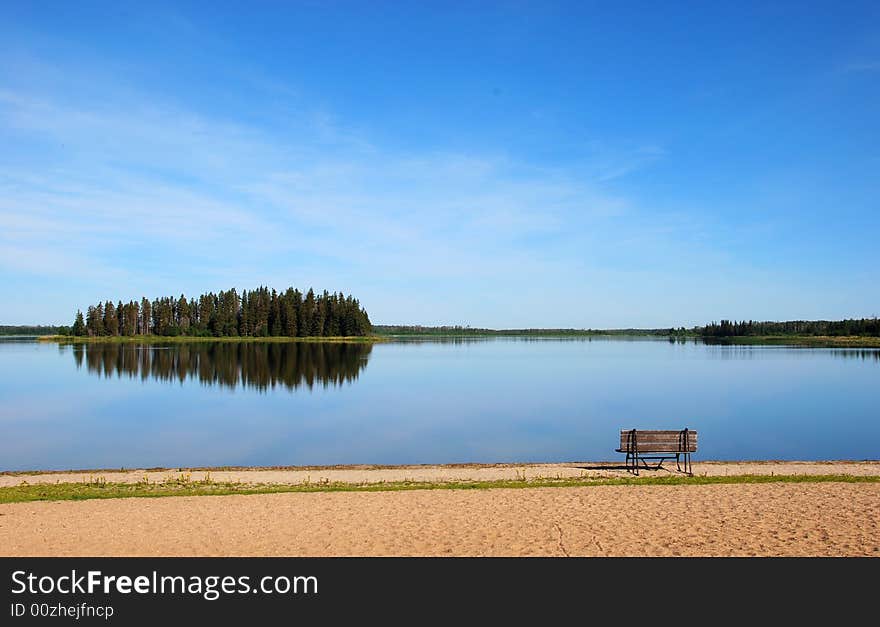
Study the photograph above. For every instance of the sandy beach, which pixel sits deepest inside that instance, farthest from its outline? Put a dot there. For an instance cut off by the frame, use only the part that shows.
(438, 473)
(776, 519)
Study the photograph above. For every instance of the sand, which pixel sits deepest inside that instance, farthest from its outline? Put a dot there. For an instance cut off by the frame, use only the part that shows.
(778, 519)
(440, 473)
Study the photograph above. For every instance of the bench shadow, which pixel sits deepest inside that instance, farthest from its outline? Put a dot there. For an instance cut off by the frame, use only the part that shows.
(624, 467)
(602, 467)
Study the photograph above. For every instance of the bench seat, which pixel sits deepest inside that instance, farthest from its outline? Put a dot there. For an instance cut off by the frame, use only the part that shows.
(640, 444)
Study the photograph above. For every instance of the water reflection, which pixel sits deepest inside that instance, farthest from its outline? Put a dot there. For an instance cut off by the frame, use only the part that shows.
(858, 353)
(788, 351)
(256, 365)
(496, 400)
(716, 349)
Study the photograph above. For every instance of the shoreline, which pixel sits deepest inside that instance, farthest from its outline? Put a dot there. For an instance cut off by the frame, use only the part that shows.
(361, 474)
(517, 464)
(184, 339)
(807, 341)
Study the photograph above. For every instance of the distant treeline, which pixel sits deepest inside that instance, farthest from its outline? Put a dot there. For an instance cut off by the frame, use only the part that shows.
(864, 327)
(256, 313)
(386, 329)
(7, 329)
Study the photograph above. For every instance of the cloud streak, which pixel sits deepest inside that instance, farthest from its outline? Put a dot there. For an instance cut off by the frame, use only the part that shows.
(140, 176)
(133, 195)
(863, 66)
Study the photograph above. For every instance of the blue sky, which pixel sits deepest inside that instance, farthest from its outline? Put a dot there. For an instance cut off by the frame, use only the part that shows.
(514, 164)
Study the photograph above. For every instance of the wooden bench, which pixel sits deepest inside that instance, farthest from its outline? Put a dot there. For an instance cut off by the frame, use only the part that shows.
(659, 445)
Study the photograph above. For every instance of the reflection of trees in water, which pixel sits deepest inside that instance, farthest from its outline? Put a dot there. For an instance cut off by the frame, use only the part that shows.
(485, 339)
(251, 364)
(721, 350)
(858, 353)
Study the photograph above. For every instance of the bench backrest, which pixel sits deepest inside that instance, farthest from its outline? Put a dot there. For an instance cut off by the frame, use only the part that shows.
(684, 441)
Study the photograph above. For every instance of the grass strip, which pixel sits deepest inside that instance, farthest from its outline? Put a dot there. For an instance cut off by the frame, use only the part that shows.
(102, 490)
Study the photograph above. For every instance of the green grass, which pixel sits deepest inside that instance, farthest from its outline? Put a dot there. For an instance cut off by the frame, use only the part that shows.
(183, 339)
(99, 489)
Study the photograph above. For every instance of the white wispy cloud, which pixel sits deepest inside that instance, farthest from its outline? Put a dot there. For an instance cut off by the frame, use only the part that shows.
(121, 188)
(862, 66)
(137, 170)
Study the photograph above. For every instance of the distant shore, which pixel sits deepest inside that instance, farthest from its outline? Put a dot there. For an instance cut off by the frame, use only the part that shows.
(817, 341)
(814, 341)
(184, 339)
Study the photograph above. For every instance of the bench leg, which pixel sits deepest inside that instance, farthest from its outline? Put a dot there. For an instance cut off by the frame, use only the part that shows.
(682, 463)
(688, 466)
(632, 464)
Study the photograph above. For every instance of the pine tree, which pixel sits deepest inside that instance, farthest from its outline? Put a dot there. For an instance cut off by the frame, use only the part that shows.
(320, 316)
(261, 312)
(99, 319)
(146, 317)
(111, 322)
(132, 316)
(288, 313)
(297, 312)
(79, 327)
(307, 315)
(244, 320)
(193, 314)
(120, 319)
(275, 316)
(183, 315)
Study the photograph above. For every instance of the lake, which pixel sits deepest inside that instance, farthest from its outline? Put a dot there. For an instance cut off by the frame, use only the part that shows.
(418, 402)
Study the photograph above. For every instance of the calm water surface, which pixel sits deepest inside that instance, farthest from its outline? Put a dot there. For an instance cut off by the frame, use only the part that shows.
(498, 400)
